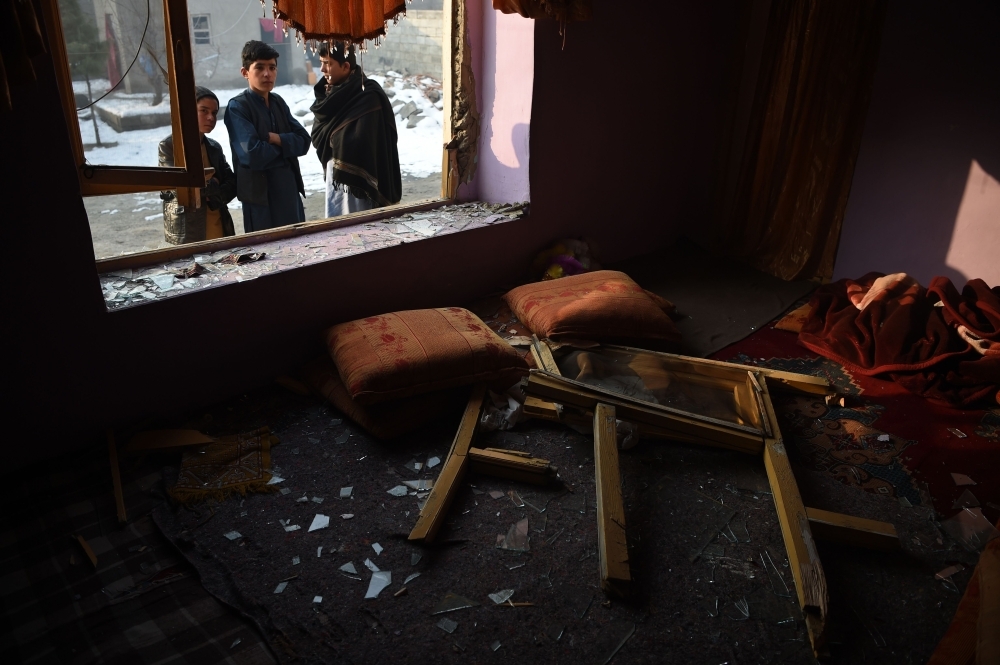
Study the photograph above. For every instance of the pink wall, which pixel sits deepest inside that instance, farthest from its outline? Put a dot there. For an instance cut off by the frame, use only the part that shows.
(924, 195)
(621, 153)
(506, 73)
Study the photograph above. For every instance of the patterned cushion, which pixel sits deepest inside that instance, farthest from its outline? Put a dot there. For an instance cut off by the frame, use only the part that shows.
(388, 419)
(419, 351)
(602, 306)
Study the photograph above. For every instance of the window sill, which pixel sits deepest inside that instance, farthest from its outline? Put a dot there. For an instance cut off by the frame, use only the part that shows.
(142, 279)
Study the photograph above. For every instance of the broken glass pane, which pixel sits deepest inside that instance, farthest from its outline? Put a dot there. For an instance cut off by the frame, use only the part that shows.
(447, 625)
(380, 580)
(970, 529)
(516, 539)
(452, 602)
(501, 596)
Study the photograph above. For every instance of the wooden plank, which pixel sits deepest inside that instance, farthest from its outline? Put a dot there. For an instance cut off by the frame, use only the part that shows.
(850, 530)
(183, 105)
(543, 356)
(446, 486)
(141, 259)
(116, 478)
(611, 544)
(779, 380)
(512, 465)
(803, 558)
(539, 408)
(565, 391)
(160, 439)
(52, 26)
(86, 550)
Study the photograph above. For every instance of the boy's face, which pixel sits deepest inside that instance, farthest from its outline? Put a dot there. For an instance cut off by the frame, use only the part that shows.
(261, 75)
(208, 114)
(335, 72)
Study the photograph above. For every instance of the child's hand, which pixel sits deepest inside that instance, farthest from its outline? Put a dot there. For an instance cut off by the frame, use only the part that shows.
(274, 139)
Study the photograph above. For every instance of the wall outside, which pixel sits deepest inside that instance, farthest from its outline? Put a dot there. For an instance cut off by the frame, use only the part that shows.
(620, 154)
(412, 46)
(924, 198)
(217, 65)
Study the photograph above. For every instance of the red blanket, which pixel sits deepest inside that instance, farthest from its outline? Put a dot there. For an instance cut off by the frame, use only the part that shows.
(935, 342)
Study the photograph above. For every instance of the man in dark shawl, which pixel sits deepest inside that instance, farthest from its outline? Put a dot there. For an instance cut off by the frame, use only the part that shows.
(354, 132)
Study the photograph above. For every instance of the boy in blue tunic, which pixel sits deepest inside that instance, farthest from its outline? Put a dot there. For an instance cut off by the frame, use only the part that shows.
(266, 142)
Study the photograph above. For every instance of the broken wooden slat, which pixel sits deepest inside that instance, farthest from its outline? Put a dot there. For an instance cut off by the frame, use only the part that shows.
(160, 439)
(434, 511)
(116, 478)
(86, 549)
(611, 544)
(803, 559)
(566, 391)
(779, 379)
(850, 530)
(512, 465)
(543, 356)
(539, 408)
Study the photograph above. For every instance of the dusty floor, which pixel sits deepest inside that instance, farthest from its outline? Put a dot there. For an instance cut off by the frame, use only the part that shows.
(884, 608)
(128, 230)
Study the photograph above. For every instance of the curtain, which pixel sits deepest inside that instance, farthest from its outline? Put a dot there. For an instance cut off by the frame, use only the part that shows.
(344, 20)
(20, 40)
(782, 212)
(561, 10)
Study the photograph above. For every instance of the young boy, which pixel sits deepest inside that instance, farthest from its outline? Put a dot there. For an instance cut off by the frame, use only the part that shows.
(354, 132)
(266, 142)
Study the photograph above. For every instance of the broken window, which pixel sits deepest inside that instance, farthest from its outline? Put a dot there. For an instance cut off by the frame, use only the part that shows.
(124, 92)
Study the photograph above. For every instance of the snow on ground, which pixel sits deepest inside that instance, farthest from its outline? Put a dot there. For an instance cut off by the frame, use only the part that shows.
(419, 147)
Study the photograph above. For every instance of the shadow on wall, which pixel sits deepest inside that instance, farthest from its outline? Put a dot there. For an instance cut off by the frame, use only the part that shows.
(923, 196)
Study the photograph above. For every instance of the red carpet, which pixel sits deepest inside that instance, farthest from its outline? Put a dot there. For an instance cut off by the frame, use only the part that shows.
(888, 441)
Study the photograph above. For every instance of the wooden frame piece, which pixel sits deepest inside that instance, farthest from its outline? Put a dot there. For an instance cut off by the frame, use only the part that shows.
(803, 558)
(98, 179)
(566, 391)
(436, 508)
(778, 379)
(612, 546)
(116, 480)
(164, 439)
(850, 530)
(511, 464)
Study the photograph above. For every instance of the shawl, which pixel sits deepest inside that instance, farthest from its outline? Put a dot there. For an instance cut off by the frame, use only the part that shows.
(354, 126)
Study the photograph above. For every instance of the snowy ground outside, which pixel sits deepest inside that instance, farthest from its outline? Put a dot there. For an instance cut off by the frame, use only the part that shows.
(133, 222)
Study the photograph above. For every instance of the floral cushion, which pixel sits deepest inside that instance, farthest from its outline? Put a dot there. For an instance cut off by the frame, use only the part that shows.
(600, 306)
(418, 351)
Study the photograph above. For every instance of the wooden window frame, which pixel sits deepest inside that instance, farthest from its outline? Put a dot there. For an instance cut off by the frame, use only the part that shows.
(98, 180)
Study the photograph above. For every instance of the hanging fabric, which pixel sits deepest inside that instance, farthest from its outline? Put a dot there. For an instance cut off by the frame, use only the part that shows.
(352, 21)
(783, 208)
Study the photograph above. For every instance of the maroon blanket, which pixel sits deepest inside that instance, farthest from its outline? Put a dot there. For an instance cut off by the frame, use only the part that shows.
(935, 342)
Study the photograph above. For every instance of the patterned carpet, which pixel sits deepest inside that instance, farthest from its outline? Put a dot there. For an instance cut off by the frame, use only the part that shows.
(885, 440)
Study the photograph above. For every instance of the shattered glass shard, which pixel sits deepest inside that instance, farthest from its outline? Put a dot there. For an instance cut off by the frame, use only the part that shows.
(415, 558)
(378, 548)
(496, 494)
(349, 568)
(516, 539)
(447, 625)
(501, 596)
(433, 462)
(452, 602)
(345, 492)
(411, 577)
(420, 485)
(233, 535)
(380, 580)
(398, 490)
(281, 587)
(319, 522)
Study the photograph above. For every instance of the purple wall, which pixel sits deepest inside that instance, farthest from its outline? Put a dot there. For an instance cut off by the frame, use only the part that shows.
(918, 204)
(620, 153)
